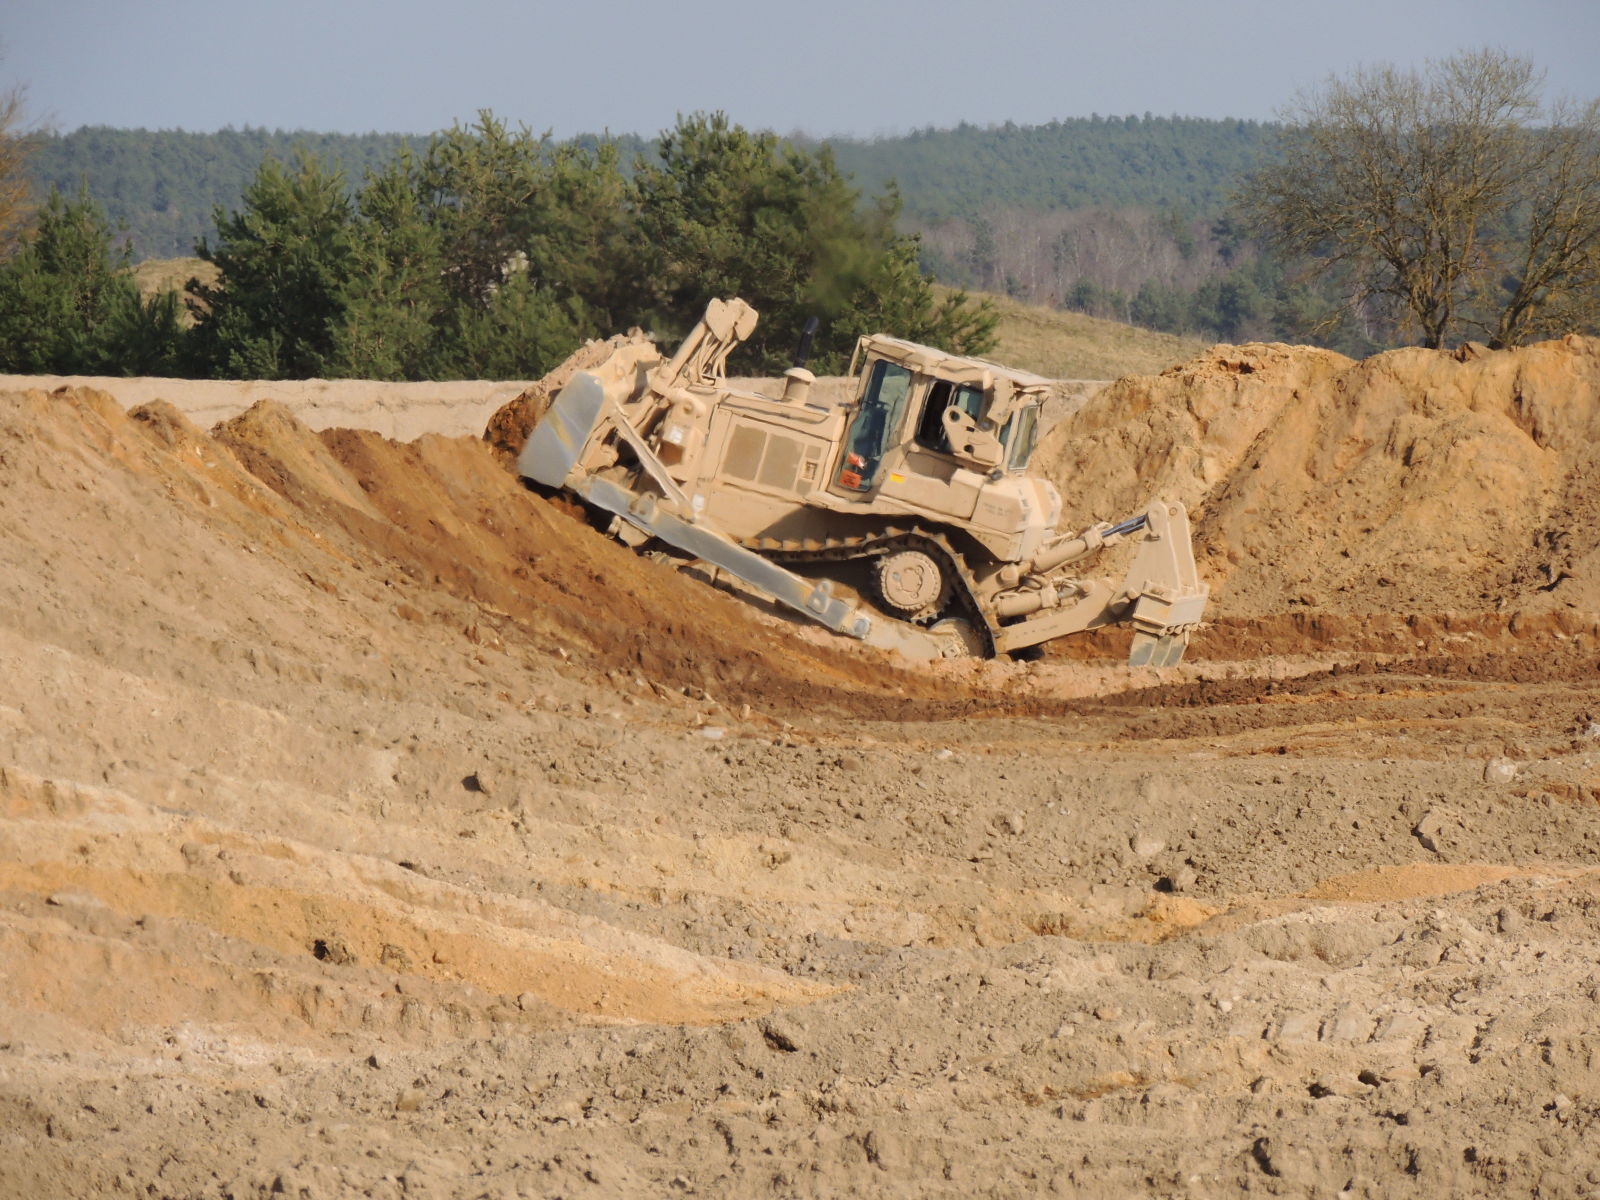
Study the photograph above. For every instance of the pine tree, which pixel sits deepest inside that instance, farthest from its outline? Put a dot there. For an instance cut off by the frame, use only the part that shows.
(69, 304)
(283, 260)
(394, 295)
(731, 213)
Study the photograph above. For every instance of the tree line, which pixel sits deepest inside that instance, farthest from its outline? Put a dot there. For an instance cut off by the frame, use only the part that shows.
(1111, 216)
(163, 186)
(489, 253)
(1183, 165)
(990, 205)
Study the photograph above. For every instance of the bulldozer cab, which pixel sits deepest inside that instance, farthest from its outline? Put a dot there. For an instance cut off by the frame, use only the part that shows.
(920, 412)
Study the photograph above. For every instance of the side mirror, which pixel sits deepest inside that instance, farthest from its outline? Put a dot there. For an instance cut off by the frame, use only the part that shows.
(967, 441)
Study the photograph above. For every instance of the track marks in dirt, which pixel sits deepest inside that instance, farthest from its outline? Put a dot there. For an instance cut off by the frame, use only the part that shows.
(257, 910)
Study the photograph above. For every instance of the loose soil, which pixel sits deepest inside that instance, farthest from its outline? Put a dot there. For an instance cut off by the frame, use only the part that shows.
(370, 825)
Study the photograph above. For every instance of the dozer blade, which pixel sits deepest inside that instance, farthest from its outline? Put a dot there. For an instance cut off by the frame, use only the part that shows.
(557, 441)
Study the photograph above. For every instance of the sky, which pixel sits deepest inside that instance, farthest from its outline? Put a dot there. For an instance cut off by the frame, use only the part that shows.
(821, 67)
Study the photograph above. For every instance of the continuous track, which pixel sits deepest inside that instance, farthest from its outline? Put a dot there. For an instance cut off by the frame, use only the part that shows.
(963, 590)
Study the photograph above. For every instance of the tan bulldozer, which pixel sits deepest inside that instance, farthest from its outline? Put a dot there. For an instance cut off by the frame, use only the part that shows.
(916, 486)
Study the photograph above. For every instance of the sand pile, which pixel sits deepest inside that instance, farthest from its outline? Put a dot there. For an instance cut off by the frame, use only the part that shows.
(434, 516)
(1415, 481)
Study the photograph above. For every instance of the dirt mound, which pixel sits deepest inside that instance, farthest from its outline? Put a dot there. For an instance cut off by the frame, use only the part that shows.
(273, 446)
(434, 516)
(1178, 435)
(201, 627)
(1415, 481)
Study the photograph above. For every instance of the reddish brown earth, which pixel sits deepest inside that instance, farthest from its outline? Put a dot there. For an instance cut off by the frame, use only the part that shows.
(371, 826)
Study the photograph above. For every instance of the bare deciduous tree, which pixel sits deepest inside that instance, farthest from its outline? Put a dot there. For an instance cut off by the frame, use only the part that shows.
(14, 146)
(1451, 194)
(1552, 282)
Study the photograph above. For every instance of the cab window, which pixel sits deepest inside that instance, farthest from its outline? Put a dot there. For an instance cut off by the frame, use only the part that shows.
(876, 423)
(1020, 437)
(942, 395)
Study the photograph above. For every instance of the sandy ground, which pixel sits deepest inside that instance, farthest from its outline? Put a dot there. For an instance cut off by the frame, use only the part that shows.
(371, 826)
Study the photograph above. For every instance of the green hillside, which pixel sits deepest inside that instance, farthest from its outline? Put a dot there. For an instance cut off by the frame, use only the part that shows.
(162, 187)
(1070, 345)
(1183, 164)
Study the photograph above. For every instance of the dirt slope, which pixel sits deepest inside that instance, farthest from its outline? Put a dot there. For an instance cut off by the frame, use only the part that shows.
(371, 826)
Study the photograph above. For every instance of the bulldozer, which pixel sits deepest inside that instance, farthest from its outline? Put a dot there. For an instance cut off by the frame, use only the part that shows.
(918, 481)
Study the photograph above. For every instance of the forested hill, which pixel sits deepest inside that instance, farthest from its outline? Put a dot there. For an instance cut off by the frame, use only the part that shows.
(1186, 165)
(163, 186)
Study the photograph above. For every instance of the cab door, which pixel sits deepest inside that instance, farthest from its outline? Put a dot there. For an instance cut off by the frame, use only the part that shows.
(928, 477)
(874, 432)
